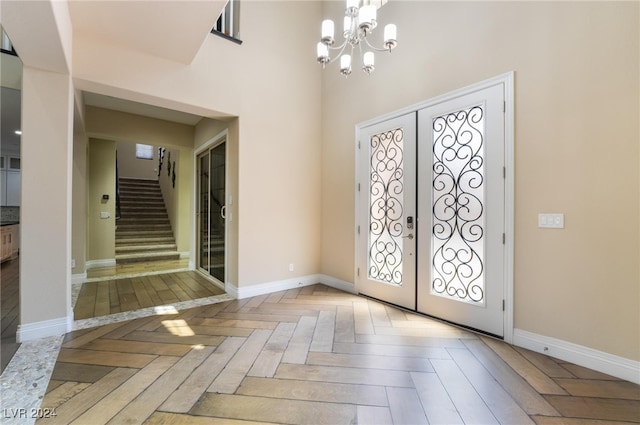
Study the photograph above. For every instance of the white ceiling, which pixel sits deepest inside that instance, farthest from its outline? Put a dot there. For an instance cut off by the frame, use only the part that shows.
(170, 29)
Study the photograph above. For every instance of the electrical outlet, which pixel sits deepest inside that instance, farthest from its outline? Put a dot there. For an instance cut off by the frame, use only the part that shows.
(291, 267)
(73, 263)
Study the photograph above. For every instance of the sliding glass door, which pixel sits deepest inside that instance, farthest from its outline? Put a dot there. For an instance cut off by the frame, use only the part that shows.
(212, 211)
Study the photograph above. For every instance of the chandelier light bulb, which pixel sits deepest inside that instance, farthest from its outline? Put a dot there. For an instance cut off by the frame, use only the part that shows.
(327, 32)
(367, 19)
(390, 34)
(345, 65)
(323, 53)
(368, 62)
(352, 7)
(346, 28)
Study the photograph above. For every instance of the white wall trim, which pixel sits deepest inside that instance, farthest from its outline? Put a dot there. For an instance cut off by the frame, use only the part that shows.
(78, 278)
(107, 262)
(36, 330)
(283, 285)
(600, 361)
(336, 283)
(185, 255)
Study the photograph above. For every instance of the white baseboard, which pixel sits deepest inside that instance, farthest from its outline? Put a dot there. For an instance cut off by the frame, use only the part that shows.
(92, 264)
(283, 285)
(336, 283)
(78, 278)
(185, 255)
(600, 361)
(53, 327)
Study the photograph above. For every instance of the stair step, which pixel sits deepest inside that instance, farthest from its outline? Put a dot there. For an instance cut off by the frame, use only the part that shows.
(140, 216)
(138, 195)
(130, 249)
(137, 233)
(132, 240)
(143, 232)
(142, 222)
(147, 256)
(146, 228)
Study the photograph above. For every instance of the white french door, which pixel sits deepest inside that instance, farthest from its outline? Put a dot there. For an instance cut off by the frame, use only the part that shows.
(431, 210)
(387, 206)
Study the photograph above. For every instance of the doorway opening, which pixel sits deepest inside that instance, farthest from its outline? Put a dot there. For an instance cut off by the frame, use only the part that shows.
(211, 210)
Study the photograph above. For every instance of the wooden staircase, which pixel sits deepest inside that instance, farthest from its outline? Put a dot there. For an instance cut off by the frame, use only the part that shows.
(143, 231)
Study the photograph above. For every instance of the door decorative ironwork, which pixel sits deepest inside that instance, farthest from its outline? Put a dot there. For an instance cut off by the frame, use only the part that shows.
(386, 193)
(458, 222)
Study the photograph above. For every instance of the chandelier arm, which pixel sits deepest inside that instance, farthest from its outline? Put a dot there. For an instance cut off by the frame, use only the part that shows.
(342, 47)
(377, 49)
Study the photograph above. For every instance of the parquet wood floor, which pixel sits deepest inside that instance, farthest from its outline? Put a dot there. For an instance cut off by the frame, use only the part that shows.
(9, 310)
(126, 294)
(316, 355)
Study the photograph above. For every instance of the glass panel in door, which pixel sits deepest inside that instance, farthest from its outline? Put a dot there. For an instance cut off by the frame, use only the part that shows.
(386, 205)
(218, 213)
(203, 212)
(461, 210)
(212, 211)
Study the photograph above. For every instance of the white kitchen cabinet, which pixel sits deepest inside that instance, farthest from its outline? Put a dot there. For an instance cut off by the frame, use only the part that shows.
(3, 188)
(10, 181)
(13, 189)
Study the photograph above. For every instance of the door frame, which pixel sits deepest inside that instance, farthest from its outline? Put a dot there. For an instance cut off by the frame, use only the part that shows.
(218, 139)
(507, 81)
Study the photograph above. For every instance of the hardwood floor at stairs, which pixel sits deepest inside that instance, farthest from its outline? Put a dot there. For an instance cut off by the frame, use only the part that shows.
(125, 294)
(315, 355)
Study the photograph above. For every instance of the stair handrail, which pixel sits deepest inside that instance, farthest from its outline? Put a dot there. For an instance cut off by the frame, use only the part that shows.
(117, 190)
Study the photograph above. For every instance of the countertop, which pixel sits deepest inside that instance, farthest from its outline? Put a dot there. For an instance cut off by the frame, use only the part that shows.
(8, 223)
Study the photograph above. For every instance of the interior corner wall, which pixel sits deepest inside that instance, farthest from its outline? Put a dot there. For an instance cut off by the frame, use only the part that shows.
(576, 147)
(79, 214)
(178, 194)
(102, 181)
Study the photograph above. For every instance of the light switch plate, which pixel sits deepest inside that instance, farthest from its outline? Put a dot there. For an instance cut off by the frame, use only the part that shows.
(551, 220)
(104, 214)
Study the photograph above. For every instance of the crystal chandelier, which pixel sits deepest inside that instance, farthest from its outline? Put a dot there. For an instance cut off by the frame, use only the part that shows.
(359, 23)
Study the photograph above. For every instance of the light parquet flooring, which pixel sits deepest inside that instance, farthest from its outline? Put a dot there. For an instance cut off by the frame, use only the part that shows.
(315, 355)
(9, 310)
(118, 295)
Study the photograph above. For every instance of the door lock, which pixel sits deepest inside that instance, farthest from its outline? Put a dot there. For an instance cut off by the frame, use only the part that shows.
(409, 222)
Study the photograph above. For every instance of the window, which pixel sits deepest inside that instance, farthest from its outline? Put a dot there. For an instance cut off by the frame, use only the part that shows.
(144, 151)
(228, 24)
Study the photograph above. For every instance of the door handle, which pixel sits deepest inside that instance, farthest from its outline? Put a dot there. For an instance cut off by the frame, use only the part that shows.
(409, 236)
(223, 212)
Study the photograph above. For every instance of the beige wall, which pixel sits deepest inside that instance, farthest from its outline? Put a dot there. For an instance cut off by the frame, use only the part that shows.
(271, 82)
(132, 167)
(46, 210)
(102, 181)
(178, 199)
(125, 127)
(576, 147)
